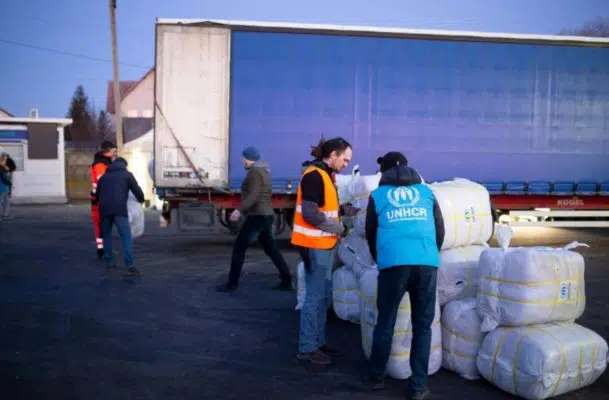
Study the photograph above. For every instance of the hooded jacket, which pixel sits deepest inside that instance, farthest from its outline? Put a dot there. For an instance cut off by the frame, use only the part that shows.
(113, 190)
(98, 168)
(257, 191)
(400, 176)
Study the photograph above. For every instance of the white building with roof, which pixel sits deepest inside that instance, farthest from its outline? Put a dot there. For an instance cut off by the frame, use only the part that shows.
(37, 147)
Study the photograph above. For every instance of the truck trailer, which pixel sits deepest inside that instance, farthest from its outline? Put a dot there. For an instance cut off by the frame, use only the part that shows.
(525, 115)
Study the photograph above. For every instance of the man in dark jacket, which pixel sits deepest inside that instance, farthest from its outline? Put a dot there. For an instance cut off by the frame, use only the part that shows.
(405, 231)
(111, 195)
(257, 206)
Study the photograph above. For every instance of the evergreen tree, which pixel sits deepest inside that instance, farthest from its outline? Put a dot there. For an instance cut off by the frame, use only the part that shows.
(83, 128)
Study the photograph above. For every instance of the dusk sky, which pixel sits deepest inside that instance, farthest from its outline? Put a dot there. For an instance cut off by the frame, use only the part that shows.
(49, 47)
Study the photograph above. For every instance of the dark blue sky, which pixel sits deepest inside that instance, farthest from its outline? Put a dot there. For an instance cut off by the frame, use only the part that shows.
(32, 77)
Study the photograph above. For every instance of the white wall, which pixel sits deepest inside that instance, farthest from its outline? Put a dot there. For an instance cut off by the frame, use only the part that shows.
(139, 103)
(41, 181)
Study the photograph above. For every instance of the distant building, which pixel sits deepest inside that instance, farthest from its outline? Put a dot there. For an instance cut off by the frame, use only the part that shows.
(37, 147)
(5, 114)
(137, 105)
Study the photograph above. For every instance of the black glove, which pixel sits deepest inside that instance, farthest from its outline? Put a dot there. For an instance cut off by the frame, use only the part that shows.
(347, 230)
(348, 210)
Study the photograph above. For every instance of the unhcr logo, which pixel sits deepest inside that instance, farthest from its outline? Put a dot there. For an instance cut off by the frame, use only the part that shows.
(403, 196)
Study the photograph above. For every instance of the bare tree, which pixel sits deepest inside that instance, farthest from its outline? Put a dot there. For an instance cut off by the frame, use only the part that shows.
(596, 28)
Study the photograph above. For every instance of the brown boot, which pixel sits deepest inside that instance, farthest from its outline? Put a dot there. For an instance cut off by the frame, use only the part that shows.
(315, 357)
(132, 271)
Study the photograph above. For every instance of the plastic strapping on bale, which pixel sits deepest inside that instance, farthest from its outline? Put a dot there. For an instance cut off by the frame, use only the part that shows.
(563, 359)
(344, 289)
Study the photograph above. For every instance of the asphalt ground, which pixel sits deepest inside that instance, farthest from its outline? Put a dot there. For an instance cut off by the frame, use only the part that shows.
(72, 330)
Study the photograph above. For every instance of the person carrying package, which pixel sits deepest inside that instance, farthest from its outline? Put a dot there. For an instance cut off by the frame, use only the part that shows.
(405, 231)
(111, 197)
(257, 206)
(101, 160)
(317, 227)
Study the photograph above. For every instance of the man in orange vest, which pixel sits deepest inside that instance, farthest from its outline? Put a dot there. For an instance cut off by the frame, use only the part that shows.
(317, 228)
(101, 160)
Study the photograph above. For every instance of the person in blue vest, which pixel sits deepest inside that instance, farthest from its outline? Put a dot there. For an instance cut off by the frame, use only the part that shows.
(405, 231)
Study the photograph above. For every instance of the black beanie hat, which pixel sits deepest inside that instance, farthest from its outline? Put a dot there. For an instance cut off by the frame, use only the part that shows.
(392, 159)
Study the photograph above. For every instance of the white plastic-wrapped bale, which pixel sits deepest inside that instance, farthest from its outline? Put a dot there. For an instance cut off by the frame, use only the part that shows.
(357, 193)
(398, 366)
(352, 247)
(542, 361)
(356, 188)
(345, 295)
(466, 209)
(458, 273)
(301, 287)
(461, 337)
(530, 285)
(342, 181)
(354, 253)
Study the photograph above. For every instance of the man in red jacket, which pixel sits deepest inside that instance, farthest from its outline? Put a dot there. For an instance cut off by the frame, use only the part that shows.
(101, 160)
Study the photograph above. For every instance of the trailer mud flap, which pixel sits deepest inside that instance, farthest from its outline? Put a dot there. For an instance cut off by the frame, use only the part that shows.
(195, 216)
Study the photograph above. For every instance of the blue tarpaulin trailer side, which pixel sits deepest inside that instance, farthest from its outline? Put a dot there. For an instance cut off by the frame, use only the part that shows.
(526, 115)
(480, 110)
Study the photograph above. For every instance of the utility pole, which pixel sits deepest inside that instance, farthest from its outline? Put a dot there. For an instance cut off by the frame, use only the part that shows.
(117, 94)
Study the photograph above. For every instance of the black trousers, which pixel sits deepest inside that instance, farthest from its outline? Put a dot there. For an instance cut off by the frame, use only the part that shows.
(420, 283)
(260, 226)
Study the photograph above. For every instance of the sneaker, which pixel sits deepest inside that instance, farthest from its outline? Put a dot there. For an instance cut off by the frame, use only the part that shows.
(315, 357)
(372, 384)
(330, 351)
(284, 285)
(419, 394)
(226, 288)
(132, 271)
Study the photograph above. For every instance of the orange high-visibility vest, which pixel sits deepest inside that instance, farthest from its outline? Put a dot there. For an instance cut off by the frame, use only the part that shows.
(307, 235)
(98, 168)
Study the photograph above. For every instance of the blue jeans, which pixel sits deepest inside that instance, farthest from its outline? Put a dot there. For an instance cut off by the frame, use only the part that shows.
(420, 282)
(318, 293)
(124, 231)
(5, 204)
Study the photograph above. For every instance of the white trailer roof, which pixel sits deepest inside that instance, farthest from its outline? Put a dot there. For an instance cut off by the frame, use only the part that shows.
(388, 31)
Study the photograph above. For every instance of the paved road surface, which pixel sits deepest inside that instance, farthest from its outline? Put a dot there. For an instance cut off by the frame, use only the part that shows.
(73, 331)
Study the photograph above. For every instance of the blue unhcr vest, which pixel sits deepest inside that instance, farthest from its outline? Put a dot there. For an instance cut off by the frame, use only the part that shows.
(406, 226)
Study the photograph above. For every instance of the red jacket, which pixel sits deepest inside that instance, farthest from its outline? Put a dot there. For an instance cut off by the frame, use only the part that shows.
(98, 168)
